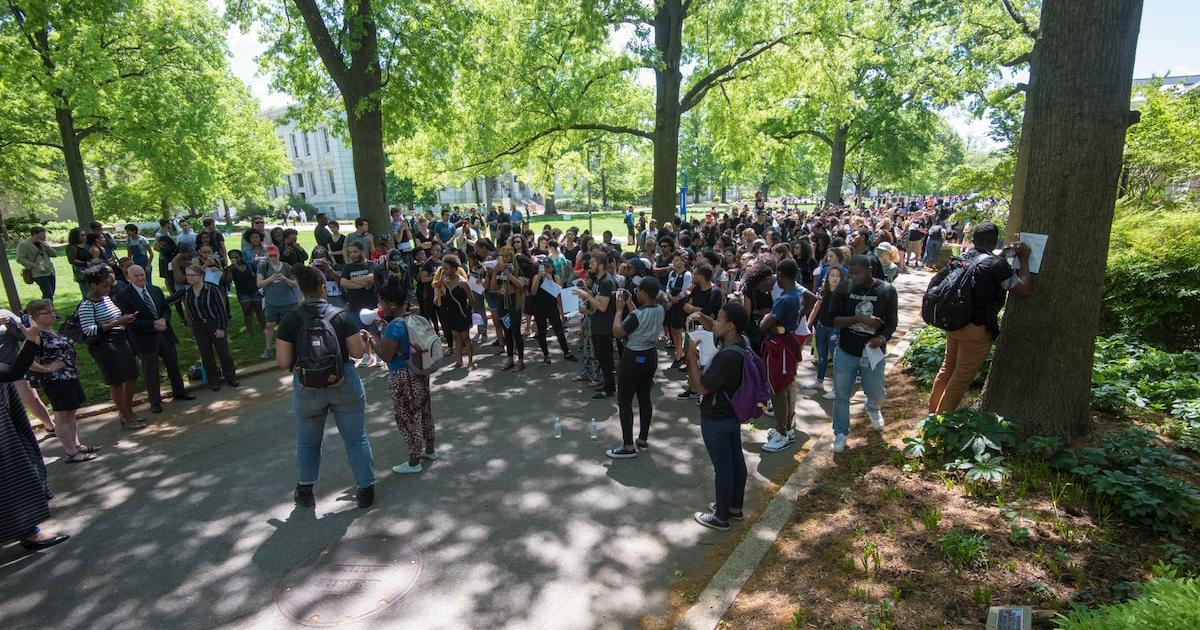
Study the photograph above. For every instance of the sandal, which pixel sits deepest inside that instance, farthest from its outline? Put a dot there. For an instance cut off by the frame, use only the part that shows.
(136, 425)
(89, 449)
(79, 456)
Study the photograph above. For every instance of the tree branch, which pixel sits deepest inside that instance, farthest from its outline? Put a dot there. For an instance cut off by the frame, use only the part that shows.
(517, 147)
(1010, 92)
(319, 32)
(1018, 60)
(1019, 19)
(696, 93)
(792, 135)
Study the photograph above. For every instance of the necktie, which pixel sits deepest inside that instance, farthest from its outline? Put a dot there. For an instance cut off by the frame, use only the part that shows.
(149, 302)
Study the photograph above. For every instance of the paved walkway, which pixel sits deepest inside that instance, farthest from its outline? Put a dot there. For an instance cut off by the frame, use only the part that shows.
(190, 524)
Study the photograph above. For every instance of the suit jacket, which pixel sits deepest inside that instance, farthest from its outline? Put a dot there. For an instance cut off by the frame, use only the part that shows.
(141, 331)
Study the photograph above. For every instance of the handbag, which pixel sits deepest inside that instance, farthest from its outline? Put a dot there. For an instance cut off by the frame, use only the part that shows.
(27, 276)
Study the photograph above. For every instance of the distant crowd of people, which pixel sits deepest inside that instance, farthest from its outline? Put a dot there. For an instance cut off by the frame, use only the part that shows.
(720, 293)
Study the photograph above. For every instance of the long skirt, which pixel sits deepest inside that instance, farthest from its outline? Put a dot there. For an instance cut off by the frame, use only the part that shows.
(591, 365)
(413, 407)
(24, 491)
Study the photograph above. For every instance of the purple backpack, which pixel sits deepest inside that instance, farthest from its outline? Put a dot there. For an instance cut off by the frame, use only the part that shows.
(751, 398)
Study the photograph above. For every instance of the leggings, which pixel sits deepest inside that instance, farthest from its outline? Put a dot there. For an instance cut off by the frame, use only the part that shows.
(514, 343)
(555, 322)
(636, 377)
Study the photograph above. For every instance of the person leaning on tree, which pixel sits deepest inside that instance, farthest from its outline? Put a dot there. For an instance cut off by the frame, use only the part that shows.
(967, 347)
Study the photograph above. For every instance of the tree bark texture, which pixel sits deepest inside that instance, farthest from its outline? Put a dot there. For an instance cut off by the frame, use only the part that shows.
(370, 165)
(81, 193)
(668, 39)
(837, 164)
(1078, 112)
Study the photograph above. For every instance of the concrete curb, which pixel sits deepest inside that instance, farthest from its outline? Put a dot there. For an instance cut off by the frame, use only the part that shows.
(141, 399)
(716, 598)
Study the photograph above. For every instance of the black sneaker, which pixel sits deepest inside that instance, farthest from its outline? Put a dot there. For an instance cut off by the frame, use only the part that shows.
(602, 395)
(737, 517)
(365, 496)
(686, 394)
(642, 445)
(621, 452)
(710, 520)
(304, 496)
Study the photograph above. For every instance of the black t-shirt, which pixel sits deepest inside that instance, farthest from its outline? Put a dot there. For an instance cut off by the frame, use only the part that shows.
(245, 281)
(993, 278)
(722, 379)
(358, 299)
(709, 302)
(337, 245)
(343, 324)
(602, 321)
(879, 300)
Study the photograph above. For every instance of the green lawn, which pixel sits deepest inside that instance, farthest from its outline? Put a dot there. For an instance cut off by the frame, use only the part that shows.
(245, 347)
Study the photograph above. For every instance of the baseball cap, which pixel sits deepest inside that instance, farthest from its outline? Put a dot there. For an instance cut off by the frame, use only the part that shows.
(395, 257)
(271, 249)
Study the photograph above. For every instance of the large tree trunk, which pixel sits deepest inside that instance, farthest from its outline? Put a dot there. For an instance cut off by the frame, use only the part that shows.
(1078, 111)
(370, 163)
(764, 188)
(837, 164)
(81, 194)
(603, 190)
(723, 194)
(668, 35)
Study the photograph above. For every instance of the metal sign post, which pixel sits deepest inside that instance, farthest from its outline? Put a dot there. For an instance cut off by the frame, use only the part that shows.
(683, 198)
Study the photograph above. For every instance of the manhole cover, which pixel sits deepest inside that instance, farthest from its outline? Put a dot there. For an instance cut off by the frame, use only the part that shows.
(349, 581)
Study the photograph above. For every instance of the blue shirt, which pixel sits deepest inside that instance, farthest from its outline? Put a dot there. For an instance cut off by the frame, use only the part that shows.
(397, 330)
(629, 218)
(444, 231)
(515, 216)
(787, 309)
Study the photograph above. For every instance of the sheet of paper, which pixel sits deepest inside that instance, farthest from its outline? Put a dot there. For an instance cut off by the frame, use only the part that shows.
(708, 347)
(213, 277)
(570, 301)
(1037, 247)
(489, 264)
(475, 285)
(549, 287)
(874, 355)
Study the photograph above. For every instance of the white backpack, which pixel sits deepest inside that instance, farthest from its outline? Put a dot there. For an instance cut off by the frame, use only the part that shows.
(423, 344)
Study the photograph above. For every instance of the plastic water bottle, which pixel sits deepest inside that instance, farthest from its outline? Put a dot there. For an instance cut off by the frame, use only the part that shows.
(595, 430)
(557, 428)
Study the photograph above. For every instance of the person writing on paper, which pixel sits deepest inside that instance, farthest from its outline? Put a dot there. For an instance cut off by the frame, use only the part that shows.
(967, 347)
(639, 362)
(864, 312)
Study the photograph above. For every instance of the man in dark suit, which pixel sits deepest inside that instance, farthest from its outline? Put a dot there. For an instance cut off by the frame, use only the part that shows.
(151, 335)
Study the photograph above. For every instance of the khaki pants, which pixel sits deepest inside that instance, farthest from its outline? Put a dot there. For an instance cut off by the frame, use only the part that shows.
(784, 404)
(966, 348)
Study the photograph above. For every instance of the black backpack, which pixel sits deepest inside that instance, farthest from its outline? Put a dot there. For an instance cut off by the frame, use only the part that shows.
(319, 360)
(947, 301)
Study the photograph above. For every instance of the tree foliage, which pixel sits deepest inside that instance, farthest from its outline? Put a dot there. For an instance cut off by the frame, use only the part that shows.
(1163, 148)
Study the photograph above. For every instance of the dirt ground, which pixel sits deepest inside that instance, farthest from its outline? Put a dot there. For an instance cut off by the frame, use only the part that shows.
(858, 552)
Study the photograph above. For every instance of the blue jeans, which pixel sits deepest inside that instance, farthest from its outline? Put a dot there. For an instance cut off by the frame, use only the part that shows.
(826, 339)
(348, 404)
(845, 368)
(723, 439)
(47, 285)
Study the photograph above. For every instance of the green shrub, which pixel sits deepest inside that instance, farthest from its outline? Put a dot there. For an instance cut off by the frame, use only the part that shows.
(962, 548)
(1152, 283)
(943, 437)
(1130, 374)
(925, 352)
(1164, 604)
(1126, 471)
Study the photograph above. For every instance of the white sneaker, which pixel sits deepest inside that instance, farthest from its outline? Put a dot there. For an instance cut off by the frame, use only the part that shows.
(817, 385)
(266, 354)
(839, 443)
(830, 395)
(876, 419)
(775, 442)
(770, 411)
(406, 468)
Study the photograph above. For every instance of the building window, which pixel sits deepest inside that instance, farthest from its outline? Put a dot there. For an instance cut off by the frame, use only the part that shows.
(299, 180)
(332, 185)
(289, 183)
(312, 183)
(295, 150)
(306, 149)
(325, 135)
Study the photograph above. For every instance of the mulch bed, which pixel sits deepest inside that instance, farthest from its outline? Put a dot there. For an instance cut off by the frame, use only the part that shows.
(864, 504)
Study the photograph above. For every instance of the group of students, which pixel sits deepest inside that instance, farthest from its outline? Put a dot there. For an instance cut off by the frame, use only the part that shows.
(761, 282)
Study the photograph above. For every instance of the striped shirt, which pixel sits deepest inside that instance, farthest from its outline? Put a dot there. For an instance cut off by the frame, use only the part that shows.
(209, 306)
(93, 314)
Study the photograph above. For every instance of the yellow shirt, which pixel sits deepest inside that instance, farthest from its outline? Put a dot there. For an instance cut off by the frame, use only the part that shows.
(439, 288)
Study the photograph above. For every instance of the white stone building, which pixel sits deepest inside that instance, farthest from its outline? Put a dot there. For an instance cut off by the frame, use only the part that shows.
(322, 171)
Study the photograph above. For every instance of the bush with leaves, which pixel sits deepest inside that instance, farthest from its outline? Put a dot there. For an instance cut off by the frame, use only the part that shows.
(1130, 374)
(944, 437)
(927, 347)
(1128, 471)
(1152, 282)
(1164, 604)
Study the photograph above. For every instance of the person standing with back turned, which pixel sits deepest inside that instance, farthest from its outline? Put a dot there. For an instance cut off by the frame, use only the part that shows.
(344, 397)
(967, 347)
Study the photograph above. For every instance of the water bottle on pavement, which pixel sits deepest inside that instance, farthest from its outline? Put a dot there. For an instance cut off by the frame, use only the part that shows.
(557, 428)
(594, 429)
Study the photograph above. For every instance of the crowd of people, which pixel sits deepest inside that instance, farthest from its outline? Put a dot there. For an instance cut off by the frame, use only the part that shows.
(751, 282)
